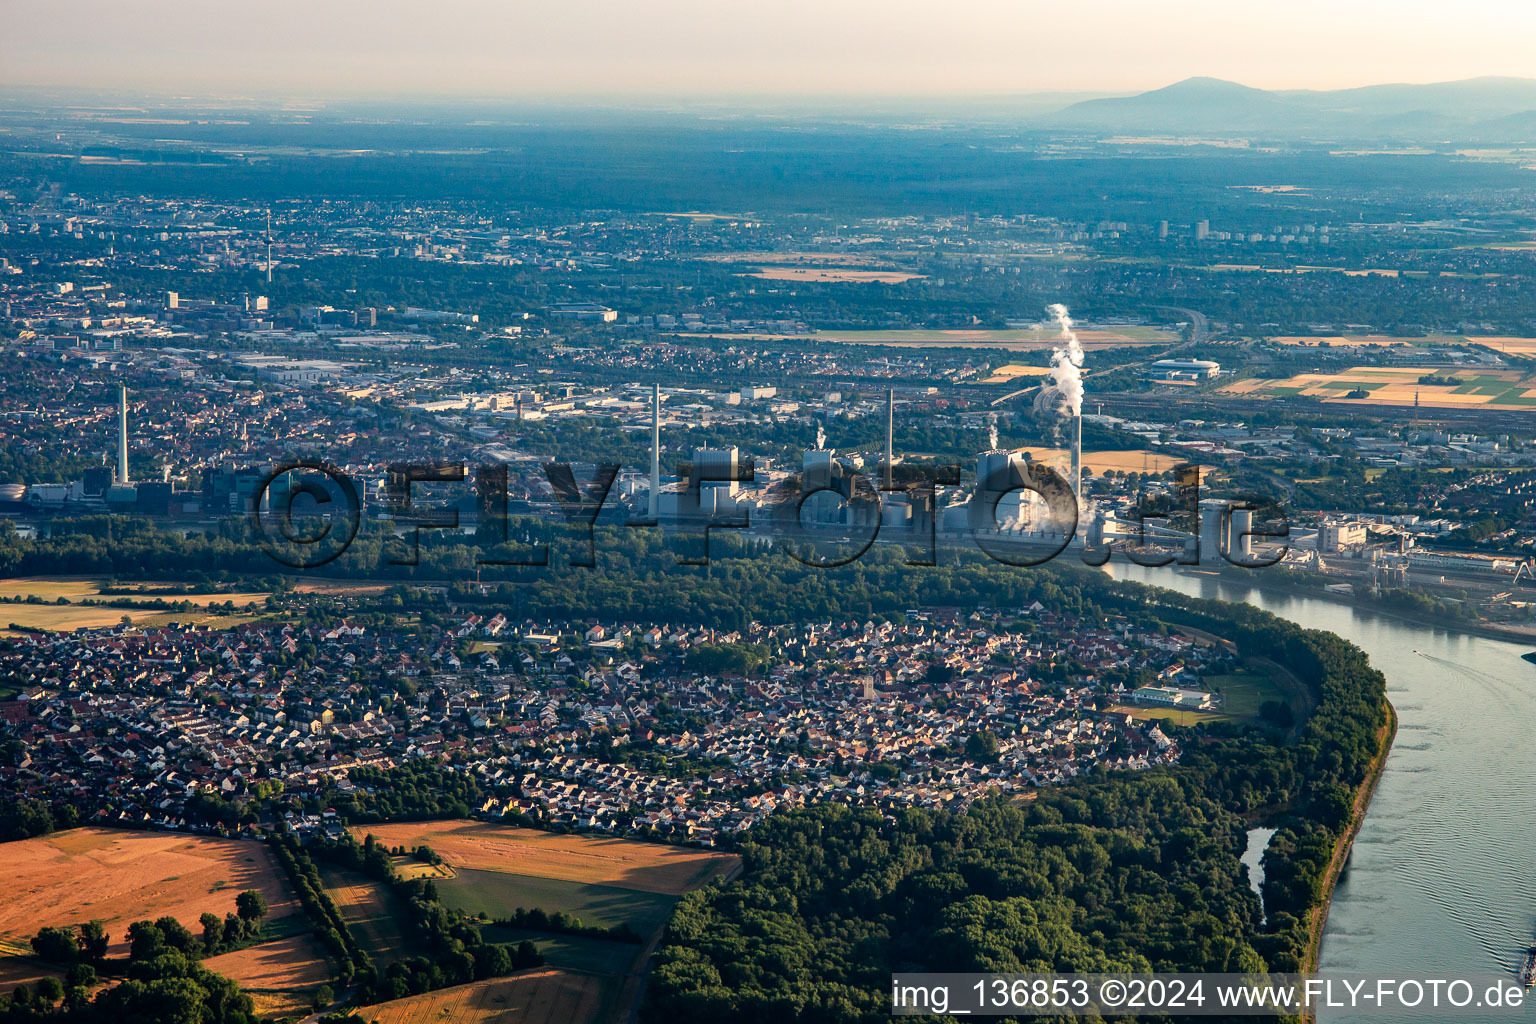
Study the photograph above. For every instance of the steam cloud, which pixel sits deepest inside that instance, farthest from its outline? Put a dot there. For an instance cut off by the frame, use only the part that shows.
(1062, 394)
(821, 437)
(992, 434)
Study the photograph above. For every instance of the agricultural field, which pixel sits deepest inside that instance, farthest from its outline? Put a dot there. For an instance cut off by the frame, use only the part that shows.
(499, 893)
(539, 996)
(834, 275)
(24, 970)
(1369, 341)
(280, 966)
(63, 617)
(1400, 387)
(1024, 339)
(573, 952)
(122, 876)
(628, 864)
(1523, 347)
(1013, 371)
(1119, 461)
(372, 914)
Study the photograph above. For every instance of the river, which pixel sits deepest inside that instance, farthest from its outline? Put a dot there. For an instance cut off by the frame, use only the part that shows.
(1442, 877)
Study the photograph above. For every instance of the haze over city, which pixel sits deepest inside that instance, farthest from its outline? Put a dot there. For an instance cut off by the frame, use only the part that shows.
(703, 50)
(698, 513)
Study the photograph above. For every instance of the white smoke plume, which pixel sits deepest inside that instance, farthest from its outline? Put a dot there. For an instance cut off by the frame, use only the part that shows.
(821, 436)
(1062, 394)
(992, 434)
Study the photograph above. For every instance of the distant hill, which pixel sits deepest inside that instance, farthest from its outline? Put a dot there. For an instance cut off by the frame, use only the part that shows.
(1473, 109)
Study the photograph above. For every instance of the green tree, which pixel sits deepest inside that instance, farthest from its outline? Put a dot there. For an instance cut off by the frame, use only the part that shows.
(251, 905)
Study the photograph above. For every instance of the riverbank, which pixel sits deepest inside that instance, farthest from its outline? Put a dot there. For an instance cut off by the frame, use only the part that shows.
(1472, 627)
(1318, 919)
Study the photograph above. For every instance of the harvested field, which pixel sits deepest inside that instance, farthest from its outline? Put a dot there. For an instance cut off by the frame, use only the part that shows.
(649, 867)
(832, 275)
(64, 617)
(1513, 346)
(1369, 340)
(121, 876)
(1004, 374)
(1400, 387)
(281, 965)
(539, 996)
(24, 970)
(1121, 461)
(370, 913)
(75, 588)
(1023, 339)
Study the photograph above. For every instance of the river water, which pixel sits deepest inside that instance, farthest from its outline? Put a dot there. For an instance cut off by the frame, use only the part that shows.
(1442, 877)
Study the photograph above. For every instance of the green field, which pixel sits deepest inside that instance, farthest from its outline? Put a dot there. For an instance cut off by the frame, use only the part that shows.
(570, 951)
(1245, 692)
(500, 893)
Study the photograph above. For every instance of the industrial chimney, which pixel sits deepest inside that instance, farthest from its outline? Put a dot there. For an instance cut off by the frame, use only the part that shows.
(890, 425)
(655, 450)
(1077, 458)
(122, 434)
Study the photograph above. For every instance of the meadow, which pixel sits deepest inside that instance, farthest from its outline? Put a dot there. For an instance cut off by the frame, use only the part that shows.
(499, 893)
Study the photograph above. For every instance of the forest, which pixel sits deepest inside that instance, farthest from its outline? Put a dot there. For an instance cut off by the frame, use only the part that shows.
(1116, 872)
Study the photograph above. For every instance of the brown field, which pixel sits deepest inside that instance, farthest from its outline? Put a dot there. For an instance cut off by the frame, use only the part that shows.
(822, 275)
(832, 259)
(277, 1005)
(627, 864)
(1004, 374)
(23, 970)
(539, 996)
(1399, 386)
(122, 876)
(1514, 346)
(280, 965)
(76, 587)
(1022, 339)
(1369, 340)
(366, 909)
(57, 617)
(1121, 462)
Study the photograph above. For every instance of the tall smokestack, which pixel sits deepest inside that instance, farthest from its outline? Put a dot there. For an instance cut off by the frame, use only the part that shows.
(655, 450)
(122, 434)
(1077, 458)
(269, 246)
(890, 424)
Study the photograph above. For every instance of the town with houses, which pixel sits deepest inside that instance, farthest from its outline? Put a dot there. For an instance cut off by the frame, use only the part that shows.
(597, 728)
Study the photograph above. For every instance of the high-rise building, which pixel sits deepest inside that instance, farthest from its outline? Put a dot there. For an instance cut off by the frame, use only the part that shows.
(172, 300)
(1202, 230)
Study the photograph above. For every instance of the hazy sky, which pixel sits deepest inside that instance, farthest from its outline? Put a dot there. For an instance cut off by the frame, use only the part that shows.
(710, 48)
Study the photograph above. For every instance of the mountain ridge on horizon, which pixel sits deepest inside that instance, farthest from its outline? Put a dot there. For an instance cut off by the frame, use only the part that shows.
(1490, 108)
